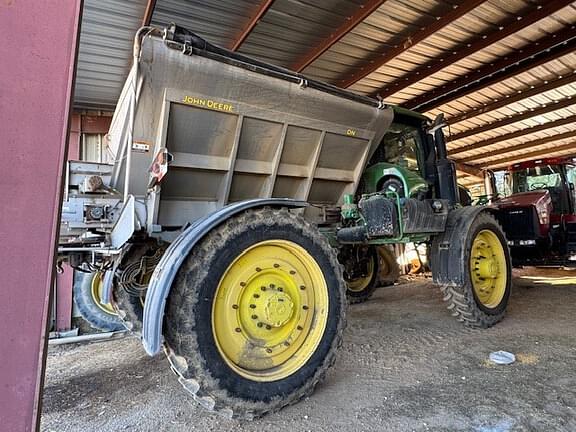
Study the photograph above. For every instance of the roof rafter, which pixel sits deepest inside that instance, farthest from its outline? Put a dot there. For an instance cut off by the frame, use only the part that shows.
(516, 134)
(457, 11)
(258, 14)
(150, 5)
(548, 85)
(534, 155)
(533, 55)
(484, 41)
(470, 170)
(511, 119)
(361, 14)
(523, 146)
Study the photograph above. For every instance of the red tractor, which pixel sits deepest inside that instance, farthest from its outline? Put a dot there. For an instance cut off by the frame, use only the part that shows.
(539, 216)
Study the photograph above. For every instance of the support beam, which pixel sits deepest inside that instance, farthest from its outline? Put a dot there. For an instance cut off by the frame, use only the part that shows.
(525, 115)
(364, 11)
(415, 38)
(39, 44)
(539, 12)
(516, 134)
(503, 163)
(523, 146)
(148, 12)
(531, 56)
(470, 170)
(562, 80)
(258, 14)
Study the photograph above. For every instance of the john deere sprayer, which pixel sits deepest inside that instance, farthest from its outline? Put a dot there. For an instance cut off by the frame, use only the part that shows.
(243, 203)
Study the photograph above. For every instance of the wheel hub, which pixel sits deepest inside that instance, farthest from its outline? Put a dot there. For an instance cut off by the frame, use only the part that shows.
(274, 308)
(488, 268)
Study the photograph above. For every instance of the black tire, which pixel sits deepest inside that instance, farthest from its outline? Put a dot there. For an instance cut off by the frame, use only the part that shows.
(389, 270)
(462, 300)
(130, 307)
(88, 306)
(191, 346)
(364, 292)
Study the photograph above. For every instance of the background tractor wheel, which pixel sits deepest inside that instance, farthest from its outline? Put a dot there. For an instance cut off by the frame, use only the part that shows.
(361, 271)
(130, 309)
(482, 300)
(131, 282)
(389, 270)
(256, 314)
(87, 296)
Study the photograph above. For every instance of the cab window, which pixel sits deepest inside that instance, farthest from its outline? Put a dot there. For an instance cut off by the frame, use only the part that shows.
(400, 146)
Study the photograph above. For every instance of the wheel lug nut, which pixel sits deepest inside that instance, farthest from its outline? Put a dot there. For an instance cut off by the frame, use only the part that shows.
(256, 295)
(254, 316)
(280, 289)
(302, 287)
(292, 272)
(272, 285)
(300, 328)
(286, 343)
(269, 351)
(252, 306)
(276, 265)
(268, 327)
(263, 288)
(235, 306)
(238, 330)
(305, 307)
(259, 324)
(242, 284)
(258, 269)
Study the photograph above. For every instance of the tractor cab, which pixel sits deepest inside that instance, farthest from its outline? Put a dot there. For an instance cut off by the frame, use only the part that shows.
(539, 215)
(556, 176)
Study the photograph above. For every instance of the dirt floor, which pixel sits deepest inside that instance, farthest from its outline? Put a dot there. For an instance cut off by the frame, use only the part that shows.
(406, 365)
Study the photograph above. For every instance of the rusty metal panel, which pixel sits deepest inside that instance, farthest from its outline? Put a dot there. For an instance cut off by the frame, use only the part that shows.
(40, 45)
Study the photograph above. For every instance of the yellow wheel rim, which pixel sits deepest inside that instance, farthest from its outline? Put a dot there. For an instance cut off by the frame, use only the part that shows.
(96, 291)
(270, 310)
(488, 270)
(361, 283)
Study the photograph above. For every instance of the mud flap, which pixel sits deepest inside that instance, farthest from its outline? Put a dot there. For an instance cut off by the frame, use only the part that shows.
(447, 263)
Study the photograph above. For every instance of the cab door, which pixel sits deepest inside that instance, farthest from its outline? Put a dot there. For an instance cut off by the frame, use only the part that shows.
(571, 183)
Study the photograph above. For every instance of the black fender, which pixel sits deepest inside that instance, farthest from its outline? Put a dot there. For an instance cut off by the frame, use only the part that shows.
(165, 271)
(447, 265)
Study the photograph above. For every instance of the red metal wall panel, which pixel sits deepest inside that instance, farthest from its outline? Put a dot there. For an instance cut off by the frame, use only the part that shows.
(38, 48)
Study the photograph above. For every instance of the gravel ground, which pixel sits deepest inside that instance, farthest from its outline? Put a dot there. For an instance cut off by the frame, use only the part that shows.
(406, 365)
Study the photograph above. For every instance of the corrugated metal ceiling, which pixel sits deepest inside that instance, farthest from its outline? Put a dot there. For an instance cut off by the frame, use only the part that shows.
(426, 35)
(105, 50)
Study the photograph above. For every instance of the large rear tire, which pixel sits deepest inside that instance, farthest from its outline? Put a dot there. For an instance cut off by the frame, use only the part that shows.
(88, 298)
(131, 282)
(482, 300)
(256, 314)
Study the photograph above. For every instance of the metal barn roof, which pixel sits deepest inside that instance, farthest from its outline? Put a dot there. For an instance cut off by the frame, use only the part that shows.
(502, 71)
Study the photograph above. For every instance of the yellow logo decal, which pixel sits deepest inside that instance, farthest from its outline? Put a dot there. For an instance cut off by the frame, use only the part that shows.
(350, 132)
(208, 103)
